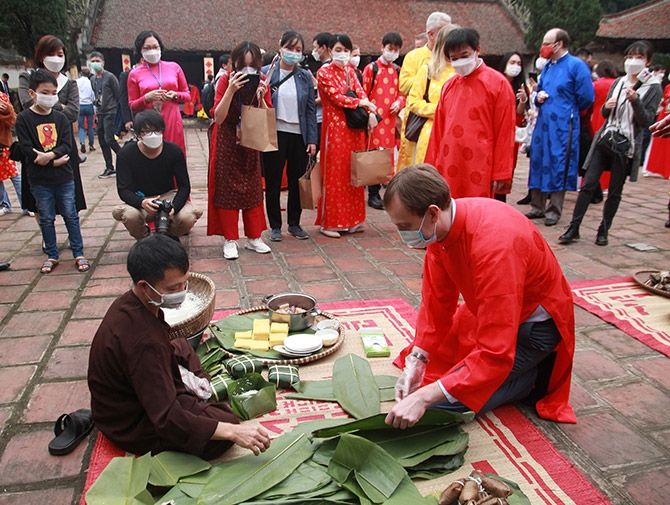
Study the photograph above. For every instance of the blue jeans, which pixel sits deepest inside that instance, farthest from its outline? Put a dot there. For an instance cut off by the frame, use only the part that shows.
(58, 197)
(4, 196)
(86, 112)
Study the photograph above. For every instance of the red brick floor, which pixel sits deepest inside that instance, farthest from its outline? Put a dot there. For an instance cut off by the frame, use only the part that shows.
(621, 388)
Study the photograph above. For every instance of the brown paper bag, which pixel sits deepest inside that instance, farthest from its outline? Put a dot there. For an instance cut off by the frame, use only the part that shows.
(258, 128)
(374, 166)
(310, 186)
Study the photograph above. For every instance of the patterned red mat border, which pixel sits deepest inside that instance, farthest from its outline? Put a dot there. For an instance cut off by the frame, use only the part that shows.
(564, 473)
(612, 318)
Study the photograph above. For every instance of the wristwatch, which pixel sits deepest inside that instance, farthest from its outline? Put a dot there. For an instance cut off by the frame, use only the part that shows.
(419, 356)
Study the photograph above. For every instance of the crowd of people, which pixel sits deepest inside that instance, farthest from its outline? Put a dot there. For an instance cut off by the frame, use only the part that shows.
(443, 105)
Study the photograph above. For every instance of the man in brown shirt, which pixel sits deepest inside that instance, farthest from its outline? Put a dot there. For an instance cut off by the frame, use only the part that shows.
(138, 398)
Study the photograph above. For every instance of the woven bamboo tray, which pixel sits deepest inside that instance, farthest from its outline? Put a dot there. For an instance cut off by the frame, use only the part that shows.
(643, 276)
(203, 287)
(326, 351)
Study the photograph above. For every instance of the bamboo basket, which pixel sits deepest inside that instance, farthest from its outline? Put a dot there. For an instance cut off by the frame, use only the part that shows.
(203, 287)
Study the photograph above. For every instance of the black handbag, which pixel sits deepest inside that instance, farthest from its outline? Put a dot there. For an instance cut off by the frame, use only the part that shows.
(415, 122)
(356, 118)
(15, 152)
(611, 138)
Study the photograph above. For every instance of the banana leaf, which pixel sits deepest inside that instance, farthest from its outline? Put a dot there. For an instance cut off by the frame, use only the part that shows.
(224, 331)
(432, 417)
(242, 479)
(354, 386)
(206, 346)
(122, 482)
(437, 466)
(407, 493)
(323, 390)
(517, 497)
(168, 467)
(176, 496)
(252, 396)
(371, 467)
(306, 479)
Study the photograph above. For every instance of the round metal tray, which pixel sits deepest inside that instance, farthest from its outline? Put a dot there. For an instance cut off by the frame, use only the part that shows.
(326, 351)
(642, 276)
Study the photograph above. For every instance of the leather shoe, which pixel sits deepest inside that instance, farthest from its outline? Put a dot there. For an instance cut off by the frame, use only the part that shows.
(550, 221)
(375, 202)
(4, 266)
(601, 237)
(525, 200)
(570, 235)
(534, 214)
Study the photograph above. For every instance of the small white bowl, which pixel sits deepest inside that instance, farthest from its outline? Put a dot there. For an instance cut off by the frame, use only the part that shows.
(328, 324)
(328, 336)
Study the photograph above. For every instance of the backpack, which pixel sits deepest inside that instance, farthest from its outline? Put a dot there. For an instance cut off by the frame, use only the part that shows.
(207, 98)
(375, 70)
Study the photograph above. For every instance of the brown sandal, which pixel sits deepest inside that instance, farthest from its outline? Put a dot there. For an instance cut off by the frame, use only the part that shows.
(48, 266)
(82, 264)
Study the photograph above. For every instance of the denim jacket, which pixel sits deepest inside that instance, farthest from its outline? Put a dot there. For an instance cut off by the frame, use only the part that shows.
(306, 103)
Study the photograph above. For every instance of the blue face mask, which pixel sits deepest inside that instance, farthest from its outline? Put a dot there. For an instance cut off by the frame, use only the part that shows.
(290, 57)
(416, 239)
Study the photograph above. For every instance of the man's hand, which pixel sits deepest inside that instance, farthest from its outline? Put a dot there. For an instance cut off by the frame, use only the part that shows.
(395, 107)
(128, 126)
(542, 97)
(411, 378)
(62, 161)
(254, 438)
(43, 159)
(407, 412)
(661, 128)
(149, 205)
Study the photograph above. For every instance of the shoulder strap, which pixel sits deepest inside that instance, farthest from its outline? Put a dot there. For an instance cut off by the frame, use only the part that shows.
(425, 93)
(616, 107)
(276, 85)
(375, 70)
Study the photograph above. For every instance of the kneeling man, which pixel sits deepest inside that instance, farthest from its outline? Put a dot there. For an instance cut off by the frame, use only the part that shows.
(147, 392)
(512, 338)
(147, 172)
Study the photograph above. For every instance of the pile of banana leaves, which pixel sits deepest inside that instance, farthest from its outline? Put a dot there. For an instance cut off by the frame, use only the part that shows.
(327, 461)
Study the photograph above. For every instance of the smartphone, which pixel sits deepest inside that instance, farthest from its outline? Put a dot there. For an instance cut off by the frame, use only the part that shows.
(532, 75)
(248, 91)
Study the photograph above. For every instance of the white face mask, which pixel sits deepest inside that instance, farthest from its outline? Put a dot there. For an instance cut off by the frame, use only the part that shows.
(152, 140)
(46, 101)
(512, 70)
(416, 239)
(54, 63)
(342, 58)
(316, 55)
(390, 56)
(152, 55)
(249, 70)
(465, 66)
(355, 61)
(169, 300)
(540, 63)
(633, 66)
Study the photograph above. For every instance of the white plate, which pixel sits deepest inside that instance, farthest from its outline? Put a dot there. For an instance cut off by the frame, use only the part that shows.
(302, 343)
(285, 352)
(328, 324)
(328, 336)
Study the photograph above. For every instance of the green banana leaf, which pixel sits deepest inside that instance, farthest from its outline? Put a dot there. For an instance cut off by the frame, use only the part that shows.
(517, 497)
(432, 417)
(374, 470)
(323, 390)
(354, 386)
(247, 406)
(205, 347)
(176, 496)
(224, 331)
(122, 482)
(241, 479)
(407, 493)
(437, 466)
(168, 467)
(308, 479)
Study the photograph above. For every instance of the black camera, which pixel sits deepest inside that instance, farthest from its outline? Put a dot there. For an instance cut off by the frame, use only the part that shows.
(163, 215)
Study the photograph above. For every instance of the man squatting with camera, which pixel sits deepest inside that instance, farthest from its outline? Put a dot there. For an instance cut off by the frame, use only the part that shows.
(146, 174)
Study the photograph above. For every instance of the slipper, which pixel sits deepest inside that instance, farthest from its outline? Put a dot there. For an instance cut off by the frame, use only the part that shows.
(48, 266)
(82, 264)
(70, 430)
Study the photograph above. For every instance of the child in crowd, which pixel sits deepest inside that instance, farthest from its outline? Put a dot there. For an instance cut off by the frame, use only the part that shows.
(44, 136)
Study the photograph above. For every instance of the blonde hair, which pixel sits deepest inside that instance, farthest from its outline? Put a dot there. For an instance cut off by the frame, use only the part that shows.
(439, 60)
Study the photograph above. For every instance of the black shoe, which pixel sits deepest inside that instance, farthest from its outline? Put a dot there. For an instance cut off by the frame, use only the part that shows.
(107, 174)
(534, 214)
(83, 148)
(4, 266)
(91, 148)
(570, 235)
(550, 221)
(525, 200)
(298, 232)
(375, 202)
(601, 238)
(275, 235)
(667, 223)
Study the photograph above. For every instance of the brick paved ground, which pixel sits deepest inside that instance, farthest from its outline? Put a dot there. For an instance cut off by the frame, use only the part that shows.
(621, 387)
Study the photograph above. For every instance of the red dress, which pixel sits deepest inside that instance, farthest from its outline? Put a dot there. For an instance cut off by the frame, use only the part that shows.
(472, 345)
(234, 181)
(7, 121)
(383, 92)
(472, 140)
(659, 150)
(341, 205)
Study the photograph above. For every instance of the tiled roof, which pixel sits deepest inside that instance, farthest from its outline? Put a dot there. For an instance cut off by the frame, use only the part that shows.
(650, 20)
(218, 25)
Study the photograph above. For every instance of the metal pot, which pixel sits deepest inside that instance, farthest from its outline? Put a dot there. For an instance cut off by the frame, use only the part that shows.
(296, 322)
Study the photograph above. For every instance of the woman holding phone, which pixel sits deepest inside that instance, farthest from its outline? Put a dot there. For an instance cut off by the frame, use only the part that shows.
(235, 171)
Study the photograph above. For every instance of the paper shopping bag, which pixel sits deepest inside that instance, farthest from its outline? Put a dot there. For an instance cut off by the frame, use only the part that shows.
(371, 167)
(310, 186)
(258, 129)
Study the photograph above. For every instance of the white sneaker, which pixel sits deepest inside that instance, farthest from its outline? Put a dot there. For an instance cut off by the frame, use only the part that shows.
(257, 245)
(230, 250)
(5, 210)
(28, 213)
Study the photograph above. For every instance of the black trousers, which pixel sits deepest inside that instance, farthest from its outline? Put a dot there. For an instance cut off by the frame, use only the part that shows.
(106, 131)
(534, 353)
(292, 152)
(619, 167)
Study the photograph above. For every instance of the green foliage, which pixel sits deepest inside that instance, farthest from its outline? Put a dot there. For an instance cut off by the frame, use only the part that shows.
(610, 6)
